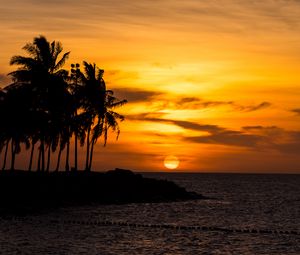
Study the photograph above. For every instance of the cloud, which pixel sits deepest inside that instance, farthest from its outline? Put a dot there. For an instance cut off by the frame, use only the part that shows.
(135, 95)
(228, 137)
(156, 117)
(255, 137)
(186, 103)
(217, 16)
(297, 111)
(289, 147)
(196, 103)
(217, 134)
(195, 126)
(274, 131)
(193, 102)
(147, 116)
(251, 108)
(253, 127)
(295, 135)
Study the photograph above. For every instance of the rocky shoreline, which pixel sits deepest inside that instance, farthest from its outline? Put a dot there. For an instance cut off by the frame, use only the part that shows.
(23, 191)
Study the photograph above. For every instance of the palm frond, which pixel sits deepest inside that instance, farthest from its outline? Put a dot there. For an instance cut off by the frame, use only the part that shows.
(27, 62)
(117, 115)
(100, 74)
(62, 61)
(117, 104)
(62, 73)
(44, 51)
(90, 71)
(31, 49)
(21, 76)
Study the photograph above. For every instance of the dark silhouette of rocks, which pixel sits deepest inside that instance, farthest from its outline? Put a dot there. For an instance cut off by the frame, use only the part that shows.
(20, 190)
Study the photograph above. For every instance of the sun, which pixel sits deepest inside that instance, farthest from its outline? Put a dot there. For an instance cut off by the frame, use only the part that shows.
(171, 162)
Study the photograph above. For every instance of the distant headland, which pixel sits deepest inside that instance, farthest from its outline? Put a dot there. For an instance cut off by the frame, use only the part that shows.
(22, 191)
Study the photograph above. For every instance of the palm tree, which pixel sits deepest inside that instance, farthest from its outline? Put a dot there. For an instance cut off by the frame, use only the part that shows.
(4, 141)
(6, 144)
(98, 104)
(92, 92)
(15, 114)
(107, 120)
(45, 107)
(75, 78)
(42, 73)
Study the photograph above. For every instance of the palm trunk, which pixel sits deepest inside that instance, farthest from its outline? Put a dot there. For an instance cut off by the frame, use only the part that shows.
(58, 159)
(31, 156)
(12, 166)
(76, 147)
(75, 152)
(5, 155)
(43, 155)
(39, 159)
(87, 149)
(67, 156)
(91, 155)
(49, 158)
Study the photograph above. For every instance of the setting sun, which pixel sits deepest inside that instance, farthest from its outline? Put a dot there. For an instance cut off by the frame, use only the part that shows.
(171, 162)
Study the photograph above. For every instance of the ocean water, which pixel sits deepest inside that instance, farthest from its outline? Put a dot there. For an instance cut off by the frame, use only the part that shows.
(237, 201)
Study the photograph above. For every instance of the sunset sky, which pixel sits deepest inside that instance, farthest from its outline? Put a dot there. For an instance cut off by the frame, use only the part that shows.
(215, 83)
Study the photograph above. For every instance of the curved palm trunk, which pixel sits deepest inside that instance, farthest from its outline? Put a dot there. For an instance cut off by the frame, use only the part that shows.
(87, 150)
(31, 156)
(76, 145)
(13, 153)
(5, 155)
(39, 160)
(76, 151)
(48, 158)
(91, 155)
(43, 155)
(67, 156)
(58, 159)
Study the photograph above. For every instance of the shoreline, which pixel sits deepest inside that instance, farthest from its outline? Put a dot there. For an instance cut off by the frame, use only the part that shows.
(29, 191)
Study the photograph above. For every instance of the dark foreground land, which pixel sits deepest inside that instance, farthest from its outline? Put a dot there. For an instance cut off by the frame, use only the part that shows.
(22, 191)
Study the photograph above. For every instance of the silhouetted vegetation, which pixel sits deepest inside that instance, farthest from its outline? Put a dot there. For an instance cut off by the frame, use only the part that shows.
(45, 106)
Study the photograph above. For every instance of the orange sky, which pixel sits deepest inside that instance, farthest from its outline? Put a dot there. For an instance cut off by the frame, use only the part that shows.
(215, 83)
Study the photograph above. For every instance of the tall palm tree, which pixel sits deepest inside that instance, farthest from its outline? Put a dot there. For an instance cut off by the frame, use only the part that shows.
(98, 104)
(4, 141)
(15, 114)
(75, 84)
(93, 93)
(107, 119)
(42, 72)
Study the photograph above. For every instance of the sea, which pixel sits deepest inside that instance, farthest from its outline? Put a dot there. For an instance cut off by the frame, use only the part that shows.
(244, 214)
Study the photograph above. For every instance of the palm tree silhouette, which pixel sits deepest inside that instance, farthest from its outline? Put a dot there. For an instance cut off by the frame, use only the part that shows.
(44, 107)
(42, 72)
(97, 104)
(107, 119)
(4, 140)
(75, 79)
(15, 111)
(93, 97)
